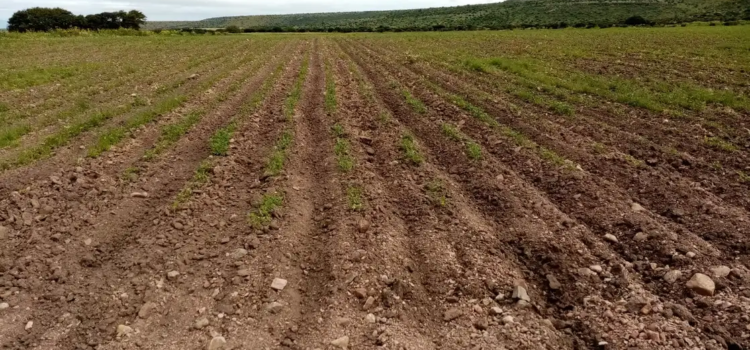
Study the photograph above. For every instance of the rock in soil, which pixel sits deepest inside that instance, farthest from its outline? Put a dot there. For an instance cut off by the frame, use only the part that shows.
(147, 310)
(520, 293)
(720, 271)
(4, 306)
(452, 314)
(369, 303)
(29, 325)
(701, 284)
(278, 284)
(495, 310)
(363, 225)
(342, 342)
(610, 237)
(508, 319)
(370, 318)
(640, 237)
(201, 323)
(360, 293)
(553, 282)
(123, 330)
(217, 343)
(173, 274)
(274, 307)
(4, 232)
(672, 276)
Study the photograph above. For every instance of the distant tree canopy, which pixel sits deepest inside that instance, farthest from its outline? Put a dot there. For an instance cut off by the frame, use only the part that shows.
(40, 19)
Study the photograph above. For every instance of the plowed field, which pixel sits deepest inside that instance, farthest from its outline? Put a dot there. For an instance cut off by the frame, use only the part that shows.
(572, 189)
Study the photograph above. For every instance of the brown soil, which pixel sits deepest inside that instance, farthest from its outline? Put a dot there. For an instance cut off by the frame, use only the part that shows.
(390, 254)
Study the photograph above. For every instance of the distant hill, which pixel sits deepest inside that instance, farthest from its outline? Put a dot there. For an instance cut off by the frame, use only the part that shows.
(511, 13)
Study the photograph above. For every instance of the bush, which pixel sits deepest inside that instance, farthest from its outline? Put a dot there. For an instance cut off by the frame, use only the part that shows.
(233, 29)
(39, 19)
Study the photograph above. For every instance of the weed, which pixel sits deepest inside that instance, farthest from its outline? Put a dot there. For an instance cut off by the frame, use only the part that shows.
(354, 197)
(744, 177)
(451, 132)
(716, 165)
(562, 108)
(276, 163)
(139, 101)
(330, 90)
(268, 205)
(200, 177)
(634, 161)
(344, 160)
(131, 174)
(415, 103)
(719, 144)
(338, 130)
(437, 192)
(409, 147)
(476, 66)
(473, 150)
(219, 142)
(599, 148)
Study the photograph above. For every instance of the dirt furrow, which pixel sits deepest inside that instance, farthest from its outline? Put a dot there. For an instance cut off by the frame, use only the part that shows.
(93, 232)
(556, 189)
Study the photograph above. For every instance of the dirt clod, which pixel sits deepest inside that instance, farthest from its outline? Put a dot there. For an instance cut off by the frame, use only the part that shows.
(452, 314)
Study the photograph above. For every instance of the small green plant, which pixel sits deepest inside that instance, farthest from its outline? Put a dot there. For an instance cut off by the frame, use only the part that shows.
(476, 66)
(338, 130)
(415, 103)
(451, 132)
(634, 161)
(172, 133)
(139, 101)
(354, 197)
(473, 150)
(744, 177)
(437, 192)
(131, 174)
(330, 90)
(599, 148)
(562, 108)
(716, 165)
(344, 160)
(409, 147)
(294, 96)
(200, 177)
(268, 205)
(219, 142)
(276, 163)
(719, 144)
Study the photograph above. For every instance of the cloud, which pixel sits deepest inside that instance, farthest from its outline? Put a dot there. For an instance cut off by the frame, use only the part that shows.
(175, 10)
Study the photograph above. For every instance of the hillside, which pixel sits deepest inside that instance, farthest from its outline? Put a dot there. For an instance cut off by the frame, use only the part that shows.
(497, 15)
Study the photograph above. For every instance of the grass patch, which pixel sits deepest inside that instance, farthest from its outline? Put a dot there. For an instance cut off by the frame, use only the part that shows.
(451, 132)
(219, 141)
(172, 133)
(414, 102)
(744, 177)
(437, 192)
(719, 144)
(294, 96)
(354, 198)
(131, 174)
(634, 161)
(276, 163)
(473, 150)
(115, 135)
(343, 159)
(268, 205)
(330, 90)
(200, 177)
(599, 148)
(409, 147)
(338, 130)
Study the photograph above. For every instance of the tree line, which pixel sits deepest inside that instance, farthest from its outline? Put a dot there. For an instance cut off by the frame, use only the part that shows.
(40, 19)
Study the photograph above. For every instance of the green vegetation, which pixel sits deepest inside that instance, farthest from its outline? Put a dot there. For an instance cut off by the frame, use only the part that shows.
(744, 177)
(291, 101)
(344, 160)
(114, 135)
(262, 215)
(719, 144)
(414, 102)
(409, 147)
(354, 197)
(201, 176)
(219, 142)
(278, 157)
(173, 132)
(437, 192)
(451, 132)
(504, 15)
(473, 150)
(330, 90)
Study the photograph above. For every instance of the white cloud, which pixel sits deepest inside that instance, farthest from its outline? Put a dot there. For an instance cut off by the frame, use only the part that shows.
(172, 10)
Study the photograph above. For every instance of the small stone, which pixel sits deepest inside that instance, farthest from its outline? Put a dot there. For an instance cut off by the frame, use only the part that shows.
(637, 207)
(690, 255)
(123, 330)
(201, 323)
(278, 284)
(672, 276)
(360, 293)
(640, 237)
(653, 336)
(4, 306)
(702, 284)
(87, 241)
(4, 232)
(274, 307)
(610, 237)
(363, 225)
(239, 253)
(596, 268)
(586, 272)
(370, 318)
(495, 310)
(452, 314)
(342, 342)
(508, 319)
(481, 324)
(500, 297)
(720, 271)
(244, 272)
(217, 343)
(173, 274)
(147, 310)
(520, 293)
(29, 325)
(139, 194)
(478, 309)
(369, 303)
(342, 321)
(177, 225)
(553, 282)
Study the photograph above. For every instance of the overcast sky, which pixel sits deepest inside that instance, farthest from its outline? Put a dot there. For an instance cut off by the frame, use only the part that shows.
(173, 10)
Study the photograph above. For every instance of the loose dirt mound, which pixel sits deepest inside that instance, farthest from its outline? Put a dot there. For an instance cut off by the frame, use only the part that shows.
(329, 195)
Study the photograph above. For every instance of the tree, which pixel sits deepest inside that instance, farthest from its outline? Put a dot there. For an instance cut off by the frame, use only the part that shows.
(636, 21)
(41, 19)
(133, 19)
(234, 29)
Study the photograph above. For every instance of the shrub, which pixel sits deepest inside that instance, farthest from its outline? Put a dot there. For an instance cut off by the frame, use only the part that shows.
(234, 29)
